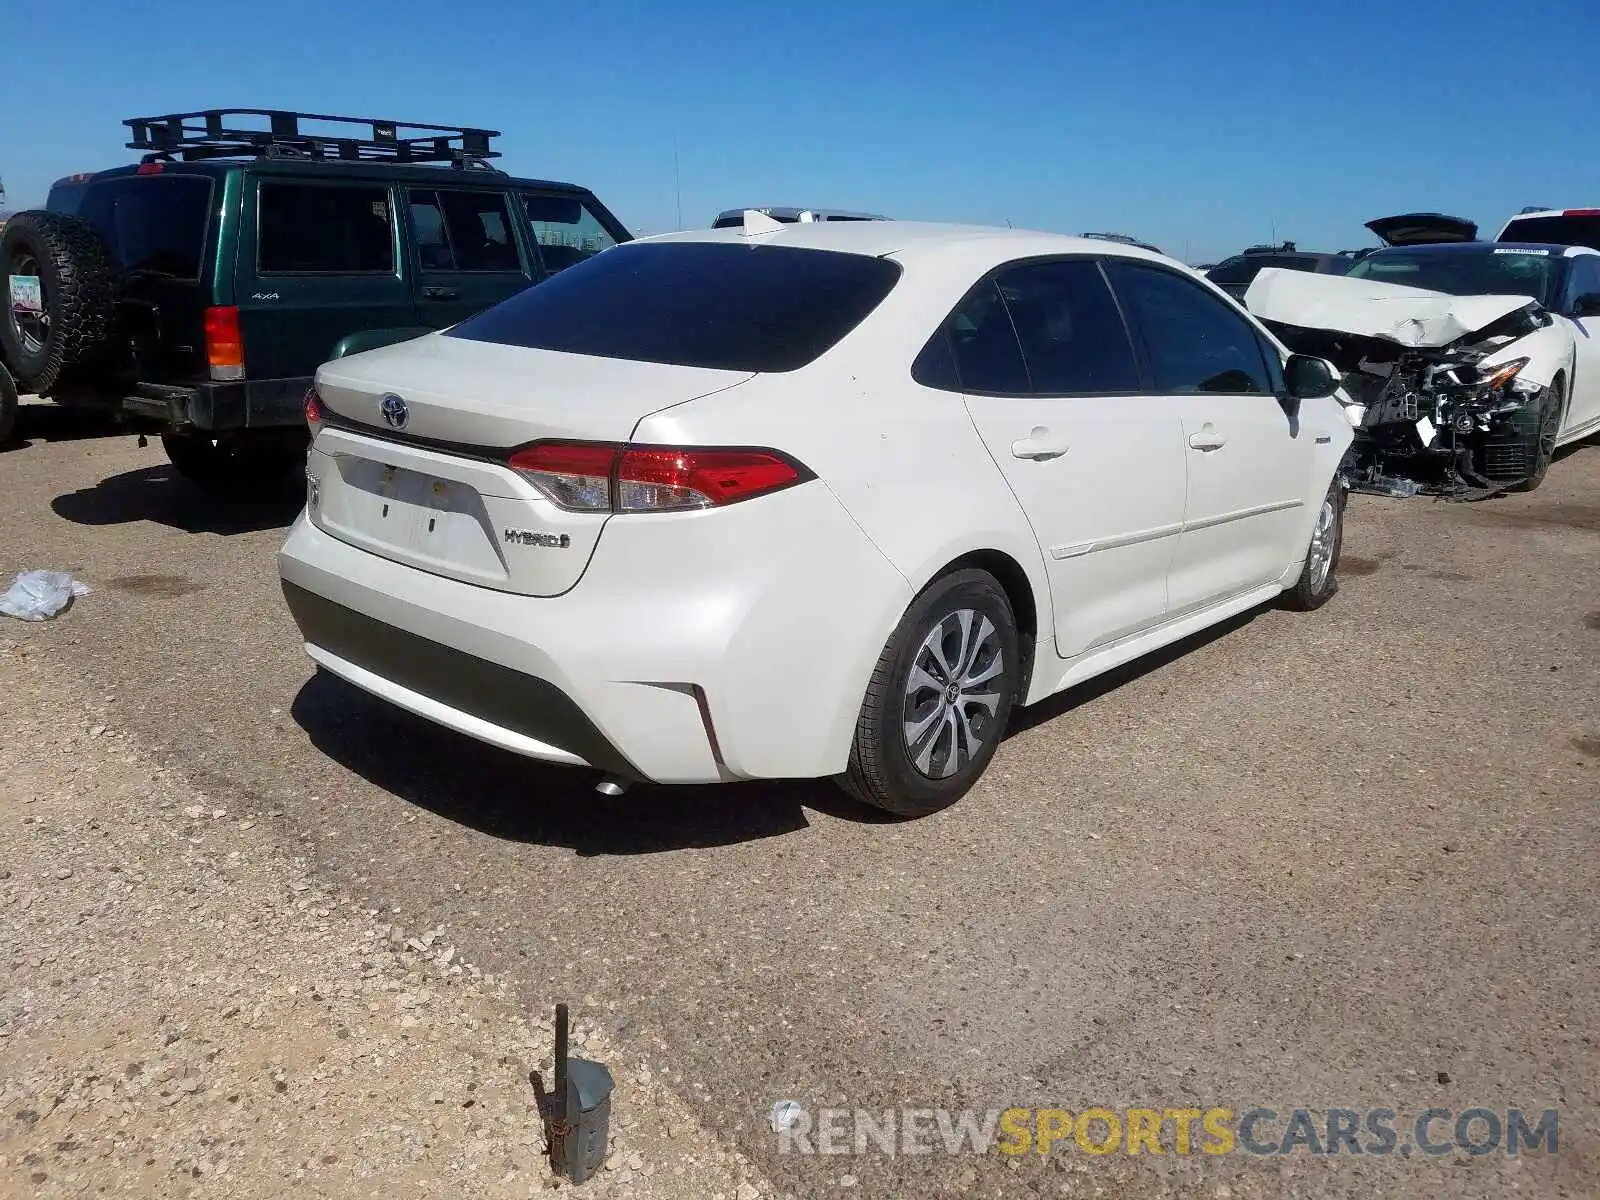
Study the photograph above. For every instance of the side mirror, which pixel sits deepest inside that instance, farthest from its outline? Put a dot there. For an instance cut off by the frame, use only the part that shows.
(1308, 378)
(1587, 305)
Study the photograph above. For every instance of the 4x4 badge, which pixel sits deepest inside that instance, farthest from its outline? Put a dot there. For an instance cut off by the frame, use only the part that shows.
(394, 410)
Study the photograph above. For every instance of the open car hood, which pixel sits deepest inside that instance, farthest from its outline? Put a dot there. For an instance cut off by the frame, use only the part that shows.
(1407, 316)
(1420, 229)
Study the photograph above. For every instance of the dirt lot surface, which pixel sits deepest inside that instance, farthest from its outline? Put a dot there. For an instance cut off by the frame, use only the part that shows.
(1343, 859)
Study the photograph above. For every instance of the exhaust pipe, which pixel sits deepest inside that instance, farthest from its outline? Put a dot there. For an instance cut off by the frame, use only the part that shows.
(611, 786)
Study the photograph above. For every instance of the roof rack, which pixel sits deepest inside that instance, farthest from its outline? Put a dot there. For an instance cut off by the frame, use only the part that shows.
(214, 133)
(1264, 248)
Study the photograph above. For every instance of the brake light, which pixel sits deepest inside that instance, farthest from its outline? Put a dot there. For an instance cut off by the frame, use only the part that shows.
(315, 413)
(599, 477)
(1581, 212)
(663, 479)
(154, 168)
(224, 345)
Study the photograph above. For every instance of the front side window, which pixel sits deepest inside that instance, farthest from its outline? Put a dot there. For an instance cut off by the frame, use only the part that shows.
(1192, 341)
(1583, 280)
(1072, 336)
(722, 305)
(320, 229)
(565, 229)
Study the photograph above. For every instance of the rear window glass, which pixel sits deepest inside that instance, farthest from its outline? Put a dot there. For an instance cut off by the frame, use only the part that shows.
(694, 304)
(155, 223)
(1555, 231)
(316, 229)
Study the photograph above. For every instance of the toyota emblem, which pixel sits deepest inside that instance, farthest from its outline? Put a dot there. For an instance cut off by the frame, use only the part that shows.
(394, 410)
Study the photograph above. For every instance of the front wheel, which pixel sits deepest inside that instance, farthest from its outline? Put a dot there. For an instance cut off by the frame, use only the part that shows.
(1543, 439)
(1317, 582)
(234, 469)
(939, 698)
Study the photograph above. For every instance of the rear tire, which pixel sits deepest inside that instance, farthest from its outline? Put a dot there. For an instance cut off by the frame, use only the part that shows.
(72, 334)
(235, 468)
(1544, 437)
(939, 698)
(1318, 583)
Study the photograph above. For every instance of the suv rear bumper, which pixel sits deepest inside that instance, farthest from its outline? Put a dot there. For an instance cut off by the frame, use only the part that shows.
(222, 407)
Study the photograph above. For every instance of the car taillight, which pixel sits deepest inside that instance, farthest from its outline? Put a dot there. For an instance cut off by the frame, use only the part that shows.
(664, 479)
(576, 475)
(597, 477)
(224, 345)
(315, 414)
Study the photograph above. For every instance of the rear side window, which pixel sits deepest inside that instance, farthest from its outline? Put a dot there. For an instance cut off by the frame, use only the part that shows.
(1193, 342)
(464, 231)
(155, 223)
(988, 357)
(1073, 339)
(1555, 231)
(695, 304)
(324, 229)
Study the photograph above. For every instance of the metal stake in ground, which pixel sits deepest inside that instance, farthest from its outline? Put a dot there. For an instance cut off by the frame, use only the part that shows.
(578, 1114)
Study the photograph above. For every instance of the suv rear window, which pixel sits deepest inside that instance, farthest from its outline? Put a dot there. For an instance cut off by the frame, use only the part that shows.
(695, 304)
(152, 223)
(1555, 231)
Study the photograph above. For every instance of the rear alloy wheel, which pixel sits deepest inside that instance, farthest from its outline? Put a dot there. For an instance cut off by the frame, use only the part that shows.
(939, 699)
(237, 468)
(1317, 582)
(1544, 448)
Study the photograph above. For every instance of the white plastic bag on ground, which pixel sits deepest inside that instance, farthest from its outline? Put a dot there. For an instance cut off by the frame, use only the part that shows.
(40, 595)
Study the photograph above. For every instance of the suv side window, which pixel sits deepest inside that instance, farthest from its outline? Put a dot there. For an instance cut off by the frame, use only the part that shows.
(1192, 341)
(1072, 336)
(564, 229)
(324, 229)
(463, 231)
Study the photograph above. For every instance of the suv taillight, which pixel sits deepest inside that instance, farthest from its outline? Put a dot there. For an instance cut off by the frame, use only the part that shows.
(315, 414)
(600, 477)
(224, 345)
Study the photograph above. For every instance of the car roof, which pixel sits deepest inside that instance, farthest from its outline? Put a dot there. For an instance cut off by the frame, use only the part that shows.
(901, 238)
(1559, 251)
(376, 171)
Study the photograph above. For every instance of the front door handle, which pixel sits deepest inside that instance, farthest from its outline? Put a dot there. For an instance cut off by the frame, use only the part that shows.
(1040, 445)
(441, 293)
(1207, 439)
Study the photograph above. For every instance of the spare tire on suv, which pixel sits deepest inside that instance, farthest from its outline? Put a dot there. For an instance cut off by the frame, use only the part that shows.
(60, 298)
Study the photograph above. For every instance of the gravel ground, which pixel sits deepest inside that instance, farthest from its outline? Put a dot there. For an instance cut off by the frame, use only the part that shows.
(186, 1011)
(1346, 858)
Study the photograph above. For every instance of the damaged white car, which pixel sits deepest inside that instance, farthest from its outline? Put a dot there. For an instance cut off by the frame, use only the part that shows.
(1466, 363)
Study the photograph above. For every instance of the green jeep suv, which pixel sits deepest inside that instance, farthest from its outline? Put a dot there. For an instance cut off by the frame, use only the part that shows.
(196, 292)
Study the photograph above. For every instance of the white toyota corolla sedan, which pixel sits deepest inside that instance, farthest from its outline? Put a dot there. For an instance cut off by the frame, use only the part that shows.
(825, 500)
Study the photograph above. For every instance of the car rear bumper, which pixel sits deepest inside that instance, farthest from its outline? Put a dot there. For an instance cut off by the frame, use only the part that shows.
(222, 407)
(687, 653)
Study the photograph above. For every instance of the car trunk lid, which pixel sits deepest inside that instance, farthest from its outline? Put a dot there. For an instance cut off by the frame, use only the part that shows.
(413, 464)
(1416, 229)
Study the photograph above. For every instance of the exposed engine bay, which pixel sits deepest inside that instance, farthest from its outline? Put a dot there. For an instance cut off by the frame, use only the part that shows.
(1431, 415)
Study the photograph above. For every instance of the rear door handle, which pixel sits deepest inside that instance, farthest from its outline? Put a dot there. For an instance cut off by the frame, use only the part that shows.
(1207, 439)
(441, 293)
(1040, 445)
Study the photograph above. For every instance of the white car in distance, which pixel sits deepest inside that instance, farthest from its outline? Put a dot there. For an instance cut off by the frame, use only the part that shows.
(821, 500)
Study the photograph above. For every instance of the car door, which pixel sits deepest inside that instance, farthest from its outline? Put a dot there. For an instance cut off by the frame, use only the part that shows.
(1250, 466)
(466, 251)
(1052, 386)
(1583, 400)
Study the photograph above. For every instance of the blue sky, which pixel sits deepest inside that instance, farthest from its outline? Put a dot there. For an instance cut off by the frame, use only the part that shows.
(1200, 127)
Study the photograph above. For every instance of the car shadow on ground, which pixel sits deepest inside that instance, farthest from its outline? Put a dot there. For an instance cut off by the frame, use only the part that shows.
(161, 495)
(518, 799)
(50, 423)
